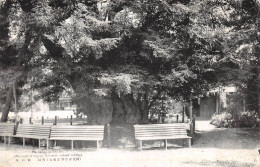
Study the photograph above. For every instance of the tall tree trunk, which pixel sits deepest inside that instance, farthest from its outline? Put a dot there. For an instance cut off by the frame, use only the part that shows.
(257, 53)
(115, 110)
(133, 114)
(110, 109)
(258, 95)
(119, 112)
(98, 109)
(142, 102)
(8, 103)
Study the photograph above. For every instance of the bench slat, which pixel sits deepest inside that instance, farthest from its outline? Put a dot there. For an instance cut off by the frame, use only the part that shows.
(159, 130)
(76, 137)
(79, 127)
(158, 133)
(31, 136)
(101, 135)
(162, 138)
(79, 138)
(77, 131)
(92, 132)
(85, 133)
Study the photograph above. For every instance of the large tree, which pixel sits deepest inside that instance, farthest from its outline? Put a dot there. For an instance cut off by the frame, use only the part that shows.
(120, 57)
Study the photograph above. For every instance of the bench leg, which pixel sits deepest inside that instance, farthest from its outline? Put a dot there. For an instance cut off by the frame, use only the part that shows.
(97, 144)
(183, 142)
(136, 144)
(9, 140)
(140, 144)
(23, 141)
(47, 144)
(39, 143)
(165, 144)
(72, 144)
(189, 142)
(76, 145)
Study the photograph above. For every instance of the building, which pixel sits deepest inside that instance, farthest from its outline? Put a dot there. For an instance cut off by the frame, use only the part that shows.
(215, 101)
(64, 103)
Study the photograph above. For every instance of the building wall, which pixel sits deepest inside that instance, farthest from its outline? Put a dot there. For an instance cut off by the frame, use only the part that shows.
(207, 106)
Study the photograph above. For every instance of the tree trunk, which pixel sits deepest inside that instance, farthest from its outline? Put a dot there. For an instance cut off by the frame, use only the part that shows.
(111, 108)
(98, 109)
(258, 94)
(142, 101)
(114, 110)
(8, 103)
(128, 110)
(133, 114)
(119, 112)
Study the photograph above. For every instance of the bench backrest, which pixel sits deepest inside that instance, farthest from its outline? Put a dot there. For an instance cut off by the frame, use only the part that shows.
(40, 131)
(6, 129)
(95, 132)
(160, 130)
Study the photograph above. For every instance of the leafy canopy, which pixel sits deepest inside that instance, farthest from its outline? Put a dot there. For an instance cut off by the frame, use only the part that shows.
(133, 46)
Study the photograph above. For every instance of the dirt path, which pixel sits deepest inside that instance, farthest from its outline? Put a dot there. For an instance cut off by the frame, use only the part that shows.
(213, 147)
(207, 136)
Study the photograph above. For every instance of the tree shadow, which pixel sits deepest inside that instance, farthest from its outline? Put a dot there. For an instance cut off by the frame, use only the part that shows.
(227, 138)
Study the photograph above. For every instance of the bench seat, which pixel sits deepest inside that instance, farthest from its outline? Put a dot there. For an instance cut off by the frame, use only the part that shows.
(30, 136)
(7, 129)
(161, 132)
(33, 131)
(73, 138)
(74, 133)
(161, 138)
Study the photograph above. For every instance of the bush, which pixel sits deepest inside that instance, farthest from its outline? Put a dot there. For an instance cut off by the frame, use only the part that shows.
(241, 119)
(222, 120)
(247, 119)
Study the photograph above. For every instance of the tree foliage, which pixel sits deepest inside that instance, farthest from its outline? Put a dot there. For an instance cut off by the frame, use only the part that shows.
(136, 48)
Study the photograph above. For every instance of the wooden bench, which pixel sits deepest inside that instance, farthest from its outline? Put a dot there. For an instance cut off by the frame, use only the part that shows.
(161, 132)
(84, 132)
(33, 131)
(7, 129)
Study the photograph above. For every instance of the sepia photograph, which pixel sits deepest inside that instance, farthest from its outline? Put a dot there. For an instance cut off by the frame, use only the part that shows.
(130, 83)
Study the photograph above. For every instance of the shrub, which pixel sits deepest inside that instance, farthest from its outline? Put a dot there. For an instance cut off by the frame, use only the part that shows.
(247, 119)
(241, 119)
(222, 120)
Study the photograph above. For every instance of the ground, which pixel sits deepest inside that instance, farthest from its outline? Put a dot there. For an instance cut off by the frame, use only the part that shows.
(214, 147)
